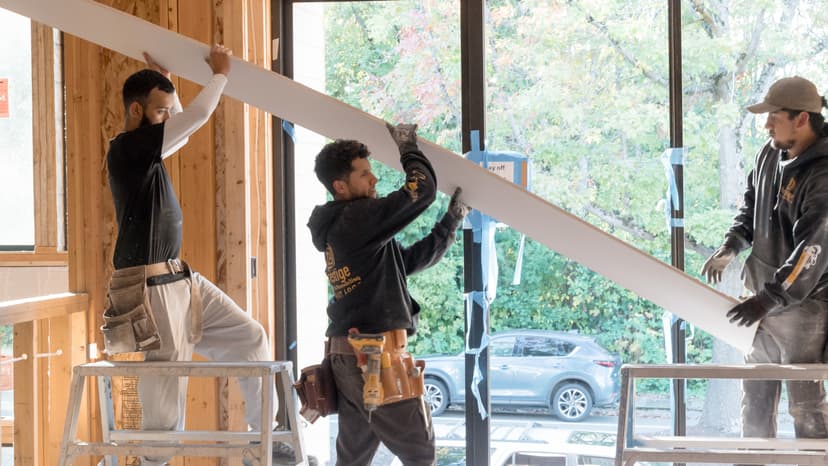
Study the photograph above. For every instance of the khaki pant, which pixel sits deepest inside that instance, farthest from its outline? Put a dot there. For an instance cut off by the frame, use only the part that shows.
(404, 427)
(229, 334)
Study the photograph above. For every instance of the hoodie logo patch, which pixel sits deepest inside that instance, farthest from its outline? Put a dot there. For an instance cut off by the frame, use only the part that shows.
(412, 184)
(341, 278)
(787, 192)
(806, 260)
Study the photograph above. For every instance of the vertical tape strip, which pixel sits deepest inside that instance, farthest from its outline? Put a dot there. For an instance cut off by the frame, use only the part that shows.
(289, 129)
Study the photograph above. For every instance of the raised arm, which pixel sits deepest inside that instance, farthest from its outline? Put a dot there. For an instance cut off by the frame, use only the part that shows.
(183, 123)
(154, 65)
(430, 249)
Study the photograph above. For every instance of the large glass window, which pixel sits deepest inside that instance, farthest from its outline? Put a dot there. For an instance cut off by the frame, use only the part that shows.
(400, 62)
(732, 53)
(581, 88)
(16, 193)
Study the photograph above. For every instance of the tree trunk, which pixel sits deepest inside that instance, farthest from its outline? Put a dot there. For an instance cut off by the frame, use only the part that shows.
(721, 412)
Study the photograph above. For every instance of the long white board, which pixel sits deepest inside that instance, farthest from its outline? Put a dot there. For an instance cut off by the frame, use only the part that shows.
(641, 273)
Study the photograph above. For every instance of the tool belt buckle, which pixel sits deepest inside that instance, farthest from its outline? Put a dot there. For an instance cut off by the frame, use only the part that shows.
(175, 265)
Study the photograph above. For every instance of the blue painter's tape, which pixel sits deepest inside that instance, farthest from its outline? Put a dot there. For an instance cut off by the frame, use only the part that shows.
(666, 161)
(288, 128)
(475, 140)
(477, 300)
(676, 155)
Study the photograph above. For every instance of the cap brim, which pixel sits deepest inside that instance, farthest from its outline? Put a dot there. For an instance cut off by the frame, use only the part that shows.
(763, 107)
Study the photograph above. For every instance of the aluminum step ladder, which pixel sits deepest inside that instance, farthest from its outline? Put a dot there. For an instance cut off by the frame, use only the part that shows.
(211, 443)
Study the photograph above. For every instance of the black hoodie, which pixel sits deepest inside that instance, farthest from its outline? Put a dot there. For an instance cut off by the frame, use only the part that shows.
(785, 221)
(366, 266)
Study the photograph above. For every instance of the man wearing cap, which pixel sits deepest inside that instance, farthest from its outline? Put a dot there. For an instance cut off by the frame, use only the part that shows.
(784, 222)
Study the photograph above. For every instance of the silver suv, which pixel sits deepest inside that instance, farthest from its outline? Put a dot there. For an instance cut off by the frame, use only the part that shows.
(566, 372)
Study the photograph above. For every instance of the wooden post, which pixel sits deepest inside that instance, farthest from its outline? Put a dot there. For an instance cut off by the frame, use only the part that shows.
(43, 138)
(27, 429)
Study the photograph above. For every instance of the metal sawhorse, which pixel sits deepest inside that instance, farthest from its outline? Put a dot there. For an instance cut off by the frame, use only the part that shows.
(631, 448)
(131, 442)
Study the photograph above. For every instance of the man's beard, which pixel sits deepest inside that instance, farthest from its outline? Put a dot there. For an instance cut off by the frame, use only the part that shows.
(145, 121)
(782, 145)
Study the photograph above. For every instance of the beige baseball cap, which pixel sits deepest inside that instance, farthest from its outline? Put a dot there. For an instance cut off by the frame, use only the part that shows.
(794, 93)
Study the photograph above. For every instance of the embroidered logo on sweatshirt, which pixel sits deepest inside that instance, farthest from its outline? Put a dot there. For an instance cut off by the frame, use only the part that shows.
(787, 192)
(341, 278)
(806, 260)
(412, 184)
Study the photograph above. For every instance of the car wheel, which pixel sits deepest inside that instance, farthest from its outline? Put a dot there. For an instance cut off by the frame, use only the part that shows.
(436, 395)
(571, 402)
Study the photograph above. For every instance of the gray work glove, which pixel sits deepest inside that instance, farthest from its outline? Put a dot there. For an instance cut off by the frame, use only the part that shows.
(715, 264)
(405, 135)
(457, 208)
(751, 310)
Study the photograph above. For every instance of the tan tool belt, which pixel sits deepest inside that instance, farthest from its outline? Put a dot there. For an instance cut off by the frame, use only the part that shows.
(401, 375)
(129, 324)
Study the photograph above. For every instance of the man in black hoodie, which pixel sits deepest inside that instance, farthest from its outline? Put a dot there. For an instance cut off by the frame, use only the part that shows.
(367, 269)
(784, 220)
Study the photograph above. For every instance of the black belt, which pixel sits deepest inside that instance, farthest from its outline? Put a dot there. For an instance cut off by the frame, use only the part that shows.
(167, 278)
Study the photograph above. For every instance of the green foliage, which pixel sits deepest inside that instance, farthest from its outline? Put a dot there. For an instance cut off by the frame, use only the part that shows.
(6, 336)
(582, 88)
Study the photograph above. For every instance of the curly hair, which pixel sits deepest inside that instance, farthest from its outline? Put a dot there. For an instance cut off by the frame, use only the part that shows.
(334, 161)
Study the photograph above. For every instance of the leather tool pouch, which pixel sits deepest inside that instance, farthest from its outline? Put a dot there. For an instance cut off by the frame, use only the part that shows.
(317, 391)
(129, 325)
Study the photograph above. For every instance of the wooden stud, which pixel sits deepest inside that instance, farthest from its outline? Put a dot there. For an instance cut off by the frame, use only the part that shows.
(27, 427)
(82, 139)
(43, 132)
(37, 258)
(197, 165)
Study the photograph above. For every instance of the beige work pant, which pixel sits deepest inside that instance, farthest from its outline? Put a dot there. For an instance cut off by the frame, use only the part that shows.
(229, 334)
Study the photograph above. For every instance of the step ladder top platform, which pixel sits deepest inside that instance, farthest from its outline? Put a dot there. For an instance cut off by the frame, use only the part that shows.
(184, 368)
(728, 371)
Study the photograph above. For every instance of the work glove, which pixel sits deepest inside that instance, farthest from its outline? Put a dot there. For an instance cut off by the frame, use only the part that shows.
(405, 135)
(715, 264)
(751, 310)
(457, 208)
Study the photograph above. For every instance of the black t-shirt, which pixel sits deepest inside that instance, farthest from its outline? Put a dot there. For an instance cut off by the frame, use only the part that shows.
(147, 210)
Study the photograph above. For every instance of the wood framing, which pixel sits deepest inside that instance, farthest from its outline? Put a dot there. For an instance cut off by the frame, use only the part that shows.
(43, 138)
(27, 434)
(43, 307)
(222, 178)
(222, 169)
(41, 377)
(29, 259)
